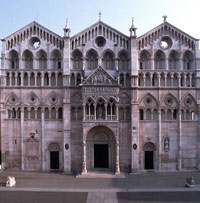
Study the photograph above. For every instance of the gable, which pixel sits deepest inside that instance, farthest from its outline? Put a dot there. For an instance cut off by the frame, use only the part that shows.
(100, 77)
(99, 29)
(166, 29)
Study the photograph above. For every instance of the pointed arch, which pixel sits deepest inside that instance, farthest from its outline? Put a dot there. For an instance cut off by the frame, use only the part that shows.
(77, 59)
(91, 59)
(145, 60)
(159, 60)
(108, 59)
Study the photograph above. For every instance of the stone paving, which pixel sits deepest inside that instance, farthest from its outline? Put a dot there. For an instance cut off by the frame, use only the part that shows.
(105, 189)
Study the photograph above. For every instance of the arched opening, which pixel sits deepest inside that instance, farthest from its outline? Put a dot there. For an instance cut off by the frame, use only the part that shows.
(41, 57)
(100, 149)
(77, 59)
(159, 60)
(108, 60)
(92, 59)
(54, 149)
(100, 109)
(123, 60)
(27, 58)
(188, 60)
(174, 60)
(145, 60)
(149, 156)
(56, 59)
(13, 60)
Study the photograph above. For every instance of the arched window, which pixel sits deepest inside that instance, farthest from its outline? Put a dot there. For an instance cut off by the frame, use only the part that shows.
(173, 60)
(148, 114)
(42, 59)
(141, 114)
(32, 113)
(100, 109)
(163, 115)
(108, 60)
(155, 115)
(13, 60)
(27, 58)
(56, 59)
(53, 113)
(159, 60)
(188, 60)
(92, 59)
(60, 113)
(46, 113)
(39, 113)
(111, 109)
(25, 113)
(123, 60)
(145, 60)
(77, 59)
(46, 79)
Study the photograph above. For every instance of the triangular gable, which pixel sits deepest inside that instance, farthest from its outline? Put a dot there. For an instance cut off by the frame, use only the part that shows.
(96, 25)
(166, 28)
(100, 77)
(27, 27)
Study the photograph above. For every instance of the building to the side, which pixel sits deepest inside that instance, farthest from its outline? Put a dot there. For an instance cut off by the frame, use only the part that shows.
(100, 100)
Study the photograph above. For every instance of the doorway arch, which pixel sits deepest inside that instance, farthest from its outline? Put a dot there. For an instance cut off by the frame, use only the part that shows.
(54, 156)
(100, 149)
(149, 156)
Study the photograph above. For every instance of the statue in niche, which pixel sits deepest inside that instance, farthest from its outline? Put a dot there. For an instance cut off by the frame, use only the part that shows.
(166, 144)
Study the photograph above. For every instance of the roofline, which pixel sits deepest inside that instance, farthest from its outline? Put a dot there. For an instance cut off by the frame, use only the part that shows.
(166, 23)
(99, 22)
(32, 23)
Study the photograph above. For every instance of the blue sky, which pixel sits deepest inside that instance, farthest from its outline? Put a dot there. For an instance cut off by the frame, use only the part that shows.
(117, 13)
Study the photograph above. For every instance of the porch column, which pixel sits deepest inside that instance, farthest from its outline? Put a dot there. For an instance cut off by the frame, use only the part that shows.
(117, 170)
(179, 141)
(22, 138)
(43, 139)
(84, 169)
(159, 140)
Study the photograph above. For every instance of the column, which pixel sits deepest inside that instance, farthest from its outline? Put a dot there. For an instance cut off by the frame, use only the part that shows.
(151, 78)
(144, 79)
(42, 79)
(56, 75)
(49, 75)
(117, 64)
(84, 111)
(124, 79)
(22, 138)
(172, 80)
(117, 170)
(190, 80)
(43, 139)
(16, 79)
(166, 64)
(184, 84)
(159, 140)
(28, 79)
(165, 76)
(95, 112)
(159, 79)
(10, 76)
(22, 79)
(179, 141)
(152, 64)
(198, 137)
(35, 75)
(84, 169)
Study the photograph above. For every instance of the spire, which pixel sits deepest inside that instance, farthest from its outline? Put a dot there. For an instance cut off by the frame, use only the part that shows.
(100, 15)
(133, 29)
(67, 29)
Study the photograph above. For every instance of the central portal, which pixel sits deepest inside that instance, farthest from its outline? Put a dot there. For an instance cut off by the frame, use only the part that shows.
(101, 156)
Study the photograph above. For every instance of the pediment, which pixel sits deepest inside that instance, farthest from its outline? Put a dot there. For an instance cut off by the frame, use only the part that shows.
(99, 29)
(100, 77)
(166, 29)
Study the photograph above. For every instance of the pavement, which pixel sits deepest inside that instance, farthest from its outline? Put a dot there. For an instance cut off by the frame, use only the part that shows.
(143, 187)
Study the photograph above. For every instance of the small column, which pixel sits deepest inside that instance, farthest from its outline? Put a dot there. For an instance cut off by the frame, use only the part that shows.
(84, 62)
(22, 138)
(184, 80)
(117, 112)
(159, 76)
(159, 140)
(28, 79)
(124, 79)
(49, 74)
(152, 64)
(151, 78)
(42, 79)
(144, 79)
(179, 80)
(172, 80)
(166, 64)
(15, 79)
(95, 112)
(10, 76)
(179, 141)
(117, 64)
(84, 169)
(106, 114)
(56, 75)
(117, 170)
(22, 79)
(35, 79)
(84, 112)
(43, 139)
(165, 76)
(190, 80)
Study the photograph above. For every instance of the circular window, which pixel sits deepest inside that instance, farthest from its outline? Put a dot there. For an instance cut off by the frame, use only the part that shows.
(35, 43)
(165, 42)
(148, 101)
(32, 99)
(100, 41)
(53, 100)
(188, 102)
(12, 100)
(169, 101)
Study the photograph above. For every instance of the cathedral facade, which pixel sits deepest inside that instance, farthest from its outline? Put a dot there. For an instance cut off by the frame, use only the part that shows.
(100, 100)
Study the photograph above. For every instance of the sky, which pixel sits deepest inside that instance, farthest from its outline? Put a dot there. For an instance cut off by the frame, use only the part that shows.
(15, 14)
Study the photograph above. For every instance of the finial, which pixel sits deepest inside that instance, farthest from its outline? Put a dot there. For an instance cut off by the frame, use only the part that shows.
(132, 22)
(133, 29)
(164, 18)
(99, 15)
(67, 24)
